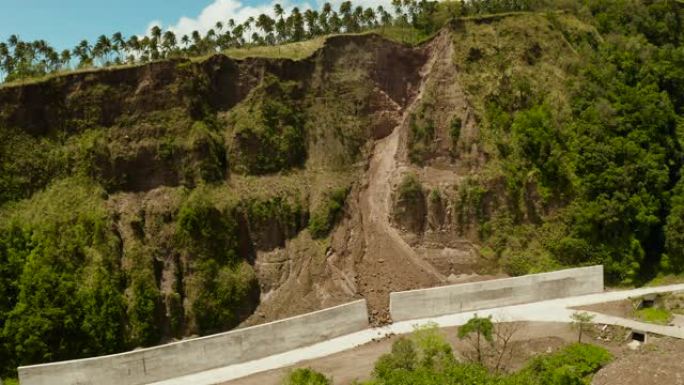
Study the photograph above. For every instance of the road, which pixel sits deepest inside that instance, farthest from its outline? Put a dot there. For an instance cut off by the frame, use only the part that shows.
(557, 310)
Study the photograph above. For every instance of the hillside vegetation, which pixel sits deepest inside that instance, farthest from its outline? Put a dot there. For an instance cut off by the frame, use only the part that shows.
(182, 197)
(427, 358)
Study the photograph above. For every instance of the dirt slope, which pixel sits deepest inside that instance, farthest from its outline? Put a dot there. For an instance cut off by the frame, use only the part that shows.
(370, 254)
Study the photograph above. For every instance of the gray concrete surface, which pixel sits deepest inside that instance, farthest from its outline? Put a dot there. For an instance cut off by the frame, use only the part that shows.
(437, 301)
(554, 310)
(185, 357)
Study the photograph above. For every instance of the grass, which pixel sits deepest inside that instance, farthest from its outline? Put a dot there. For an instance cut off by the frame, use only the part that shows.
(654, 315)
(293, 51)
(663, 280)
(53, 75)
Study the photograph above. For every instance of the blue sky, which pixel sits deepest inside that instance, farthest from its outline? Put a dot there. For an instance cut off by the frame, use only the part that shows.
(63, 23)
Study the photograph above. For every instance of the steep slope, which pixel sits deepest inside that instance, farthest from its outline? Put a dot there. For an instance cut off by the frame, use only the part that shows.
(188, 197)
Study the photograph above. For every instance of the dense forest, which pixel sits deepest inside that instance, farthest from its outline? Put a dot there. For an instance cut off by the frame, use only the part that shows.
(604, 151)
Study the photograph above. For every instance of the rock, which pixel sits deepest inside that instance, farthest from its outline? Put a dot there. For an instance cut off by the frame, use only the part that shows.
(634, 345)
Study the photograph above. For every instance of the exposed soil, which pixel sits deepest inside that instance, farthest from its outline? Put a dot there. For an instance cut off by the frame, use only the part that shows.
(661, 361)
(624, 309)
(345, 367)
(369, 255)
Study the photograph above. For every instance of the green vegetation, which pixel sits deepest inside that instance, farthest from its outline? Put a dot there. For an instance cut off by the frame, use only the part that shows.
(269, 130)
(293, 36)
(326, 215)
(306, 377)
(422, 134)
(582, 321)
(410, 188)
(60, 277)
(426, 358)
(586, 152)
(654, 315)
(121, 225)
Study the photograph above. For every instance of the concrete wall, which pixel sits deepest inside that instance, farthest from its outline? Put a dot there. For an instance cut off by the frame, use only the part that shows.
(190, 356)
(452, 299)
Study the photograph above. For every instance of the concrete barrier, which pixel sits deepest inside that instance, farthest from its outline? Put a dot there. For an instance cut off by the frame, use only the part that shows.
(437, 301)
(204, 353)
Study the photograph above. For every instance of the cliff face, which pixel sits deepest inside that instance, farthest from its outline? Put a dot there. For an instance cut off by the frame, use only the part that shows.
(204, 176)
(208, 194)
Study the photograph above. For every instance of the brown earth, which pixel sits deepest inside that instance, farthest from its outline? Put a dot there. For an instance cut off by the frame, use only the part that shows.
(345, 367)
(531, 339)
(369, 254)
(661, 361)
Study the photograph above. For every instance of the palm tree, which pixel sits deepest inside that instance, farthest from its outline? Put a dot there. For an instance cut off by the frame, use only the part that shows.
(369, 18)
(65, 58)
(211, 37)
(323, 18)
(156, 34)
(297, 24)
(335, 23)
(357, 18)
(83, 50)
(347, 17)
(5, 60)
(238, 33)
(13, 41)
(281, 30)
(133, 45)
(385, 17)
(185, 40)
(118, 44)
(102, 49)
(266, 24)
(248, 25)
(278, 10)
(169, 42)
(311, 18)
(145, 48)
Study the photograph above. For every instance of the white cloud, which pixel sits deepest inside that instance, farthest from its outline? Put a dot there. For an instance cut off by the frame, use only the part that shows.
(223, 10)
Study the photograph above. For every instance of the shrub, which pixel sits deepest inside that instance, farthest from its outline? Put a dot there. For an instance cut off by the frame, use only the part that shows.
(306, 377)
(207, 232)
(455, 130)
(410, 188)
(569, 365)
(328, 213)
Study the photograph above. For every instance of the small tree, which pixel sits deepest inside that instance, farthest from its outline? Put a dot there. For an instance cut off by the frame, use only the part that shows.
(503, 349)
(490, 340)
(581, 320)
(482, 329)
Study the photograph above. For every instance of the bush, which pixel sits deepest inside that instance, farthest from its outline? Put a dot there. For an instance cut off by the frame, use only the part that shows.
(570, 365)
(207, 232)
(306, 377)
(455, 131)
(269, 134)
(325, 216)
(410, 188)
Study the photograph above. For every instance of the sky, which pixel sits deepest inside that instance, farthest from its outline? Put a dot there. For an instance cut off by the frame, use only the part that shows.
(63, 23)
